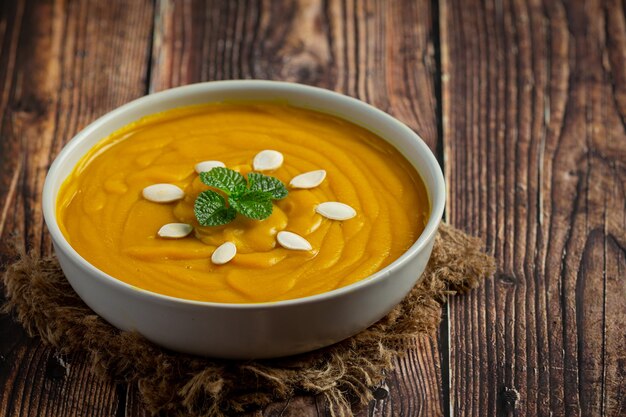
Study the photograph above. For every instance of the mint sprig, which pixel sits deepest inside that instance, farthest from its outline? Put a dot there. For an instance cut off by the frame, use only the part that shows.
(251, 198)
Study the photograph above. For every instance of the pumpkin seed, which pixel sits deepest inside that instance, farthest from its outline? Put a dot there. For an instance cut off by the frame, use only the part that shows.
(206, 166)
(175, 230)
(293, 241)
(309, 179)
(335, 210)
(163, 193)
(224, 253)
(267, 160)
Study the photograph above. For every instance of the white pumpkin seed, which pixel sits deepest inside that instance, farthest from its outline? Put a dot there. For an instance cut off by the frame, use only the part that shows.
(267, 160)
(309, 179)
(224, 253)
(206, 166)
(335, 210)
(175, 230)
(290, 240)
(163, 193)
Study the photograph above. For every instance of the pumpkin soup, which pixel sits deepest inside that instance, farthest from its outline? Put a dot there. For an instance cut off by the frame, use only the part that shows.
(242, 203)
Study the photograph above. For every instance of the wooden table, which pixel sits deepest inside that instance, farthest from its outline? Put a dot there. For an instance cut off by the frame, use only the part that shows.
(524, 103)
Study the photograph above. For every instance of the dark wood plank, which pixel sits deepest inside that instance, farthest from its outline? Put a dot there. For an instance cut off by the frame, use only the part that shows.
(62, 64)
(535, 144)
(380, 52)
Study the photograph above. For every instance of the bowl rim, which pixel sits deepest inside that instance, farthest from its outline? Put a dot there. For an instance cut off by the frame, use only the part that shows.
(437, 197)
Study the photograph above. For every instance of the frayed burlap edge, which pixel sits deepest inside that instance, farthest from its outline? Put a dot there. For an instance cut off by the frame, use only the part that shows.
(182, 385)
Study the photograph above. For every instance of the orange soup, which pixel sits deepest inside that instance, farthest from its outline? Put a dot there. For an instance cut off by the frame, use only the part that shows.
(105, 215)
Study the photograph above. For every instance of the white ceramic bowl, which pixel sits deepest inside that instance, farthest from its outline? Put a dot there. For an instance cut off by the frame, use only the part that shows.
(248, 330)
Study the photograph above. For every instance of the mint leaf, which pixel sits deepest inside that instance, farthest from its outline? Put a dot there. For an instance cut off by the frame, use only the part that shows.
(224, 179)
(253, 204)
(267, 184)
(252, 197)
(210, 209)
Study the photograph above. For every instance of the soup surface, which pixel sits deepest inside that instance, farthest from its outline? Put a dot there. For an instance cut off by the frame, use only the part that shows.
(104, 217)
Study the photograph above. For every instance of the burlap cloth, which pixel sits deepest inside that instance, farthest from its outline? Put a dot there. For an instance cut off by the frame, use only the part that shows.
(181, 385)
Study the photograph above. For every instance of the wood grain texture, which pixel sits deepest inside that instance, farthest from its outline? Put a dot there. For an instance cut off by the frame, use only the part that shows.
(535, 150)
(523, 101)
(62, 65)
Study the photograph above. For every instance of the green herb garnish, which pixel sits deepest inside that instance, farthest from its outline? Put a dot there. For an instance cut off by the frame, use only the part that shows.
(252, 197)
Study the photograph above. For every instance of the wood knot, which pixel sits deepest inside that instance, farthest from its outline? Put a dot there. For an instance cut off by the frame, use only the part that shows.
(29, 107)
(304, 67)
(380, 391)
(57, 367)
(509, 397)
(505, 278)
